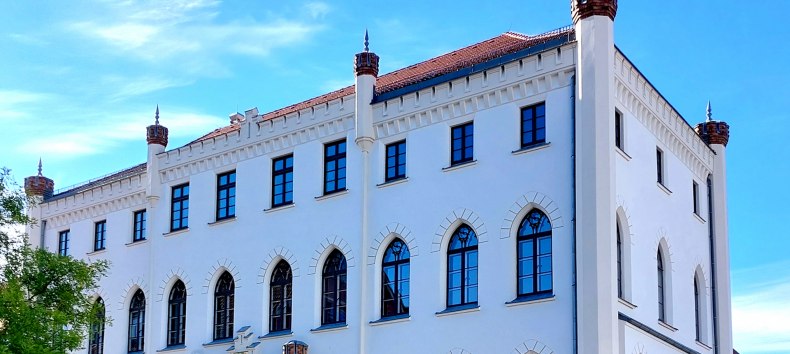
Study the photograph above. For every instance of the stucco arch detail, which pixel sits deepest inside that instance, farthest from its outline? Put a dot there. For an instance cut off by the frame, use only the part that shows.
(523, 205)
(273, 257)
(533, 347)
(216, 270)
(167, 282)
(129, 290)
(383, 238)
(452, 220)
(459, 351)
(327, 244)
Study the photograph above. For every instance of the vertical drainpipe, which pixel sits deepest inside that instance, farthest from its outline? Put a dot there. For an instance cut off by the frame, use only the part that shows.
(366, 68)
(573, 211)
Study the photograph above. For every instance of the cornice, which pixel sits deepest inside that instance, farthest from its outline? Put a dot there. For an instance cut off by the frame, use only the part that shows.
(66, 213)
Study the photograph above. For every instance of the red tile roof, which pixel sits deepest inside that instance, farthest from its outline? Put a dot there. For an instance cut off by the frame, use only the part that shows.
(506, 43)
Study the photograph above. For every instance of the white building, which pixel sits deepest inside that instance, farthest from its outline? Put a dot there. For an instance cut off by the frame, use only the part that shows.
(549, 198)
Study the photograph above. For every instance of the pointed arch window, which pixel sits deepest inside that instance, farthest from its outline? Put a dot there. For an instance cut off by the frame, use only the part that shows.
(223, 307)
(333, 290)
(619, 262)
(395, 275)
(96, 335)
(281, 292)
(534, 255)
(697, 312)
(661, 285)
(137, 322)
(462, 267)
(177, 314)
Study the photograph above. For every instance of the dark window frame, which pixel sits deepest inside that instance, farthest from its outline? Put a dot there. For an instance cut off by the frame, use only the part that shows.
(177, 314)
(620, 293)
(697, 311)
(334, 287)
(534, 229)
(139, 225)
(226, 194)
(224, 303)
(660, 167)
(282, 177)
(661, 286)
(462, 138)
(618, 130)
(136, 334)
(182, 201)
(333, 158)
(96, 330)
(281, 298)
(468, 248)
(63, 242)
(397, 258)
(532, 124)
(695, 196)
(395, 161)
(99, 235)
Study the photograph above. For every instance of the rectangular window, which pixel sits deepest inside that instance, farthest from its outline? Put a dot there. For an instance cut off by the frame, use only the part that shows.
(695, 195)
(335, 167)
(179, 208)
(462, 143)
(618, 130)
(396, 161)
(138, 230)
(63, 243)
(282, 180)
(659, 166)
(226, 195)
(533, 125)
(99, 235)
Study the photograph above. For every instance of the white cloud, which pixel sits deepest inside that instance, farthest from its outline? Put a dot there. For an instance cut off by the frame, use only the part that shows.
(761, 309)
(14, 104)
(135, 86)
(317, 9)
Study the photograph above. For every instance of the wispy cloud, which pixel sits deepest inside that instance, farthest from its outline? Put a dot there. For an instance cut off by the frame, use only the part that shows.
(14, 104)
(124, 87)
(761, 309)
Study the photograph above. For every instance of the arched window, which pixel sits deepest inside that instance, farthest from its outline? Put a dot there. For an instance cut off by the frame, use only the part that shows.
(96, 336)
(281, 290)
(619, 262)
(534, 254)
(462, 267)
(333, 290)
(137, 322)
(697, 312)
(661, 283)
(177, 314)
(223, 307)
(395, 280)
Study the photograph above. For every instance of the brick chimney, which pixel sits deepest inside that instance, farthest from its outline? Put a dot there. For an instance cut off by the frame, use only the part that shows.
(581, 9)
(713, 131)
(39, 185)
(157, 134)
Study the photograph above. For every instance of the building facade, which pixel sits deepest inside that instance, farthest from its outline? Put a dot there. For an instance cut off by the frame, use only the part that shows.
(526, 194)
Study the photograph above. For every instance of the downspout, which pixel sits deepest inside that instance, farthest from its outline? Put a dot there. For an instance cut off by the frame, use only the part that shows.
(43, 232)
(573, 212)
(714, 294)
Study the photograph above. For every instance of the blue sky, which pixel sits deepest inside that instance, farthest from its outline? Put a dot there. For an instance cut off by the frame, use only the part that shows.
(80, 81)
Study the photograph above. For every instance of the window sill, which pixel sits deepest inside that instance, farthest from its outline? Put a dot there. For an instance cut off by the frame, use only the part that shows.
(701, 344)
(96, 252)
(623, 153)
(626, 303)
(530, 299)
(135, 243)
(698, 217)
(278, 334)
(223, 221)
(332, 194)
(217, 342)
(664, 188)
(393, 182)
(279, 207)
(391, 319)
(667, 326)
(330, 327)
(532, 147)
(172, 348)
(176, 232)
(459, 166)
(459, 310)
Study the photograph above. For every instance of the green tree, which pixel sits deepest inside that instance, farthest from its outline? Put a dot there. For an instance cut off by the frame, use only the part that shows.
(45, 300)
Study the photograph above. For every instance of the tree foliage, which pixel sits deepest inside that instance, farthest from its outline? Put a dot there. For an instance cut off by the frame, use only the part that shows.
(45, 300)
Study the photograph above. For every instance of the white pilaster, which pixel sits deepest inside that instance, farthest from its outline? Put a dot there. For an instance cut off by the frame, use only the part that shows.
(721, 242)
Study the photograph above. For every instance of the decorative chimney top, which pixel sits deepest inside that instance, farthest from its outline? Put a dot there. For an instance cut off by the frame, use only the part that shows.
(39, 185)
(713, 131)
(581, 9)
(367, 62)
(157, 134)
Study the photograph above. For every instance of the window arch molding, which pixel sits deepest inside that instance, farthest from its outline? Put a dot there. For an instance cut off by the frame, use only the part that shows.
(451, 222)
(219, 267)
(174, 275)
(623, 225)
(533, 346)
(385, 237)
(524, 204)
(326, 247)
(272, 259)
